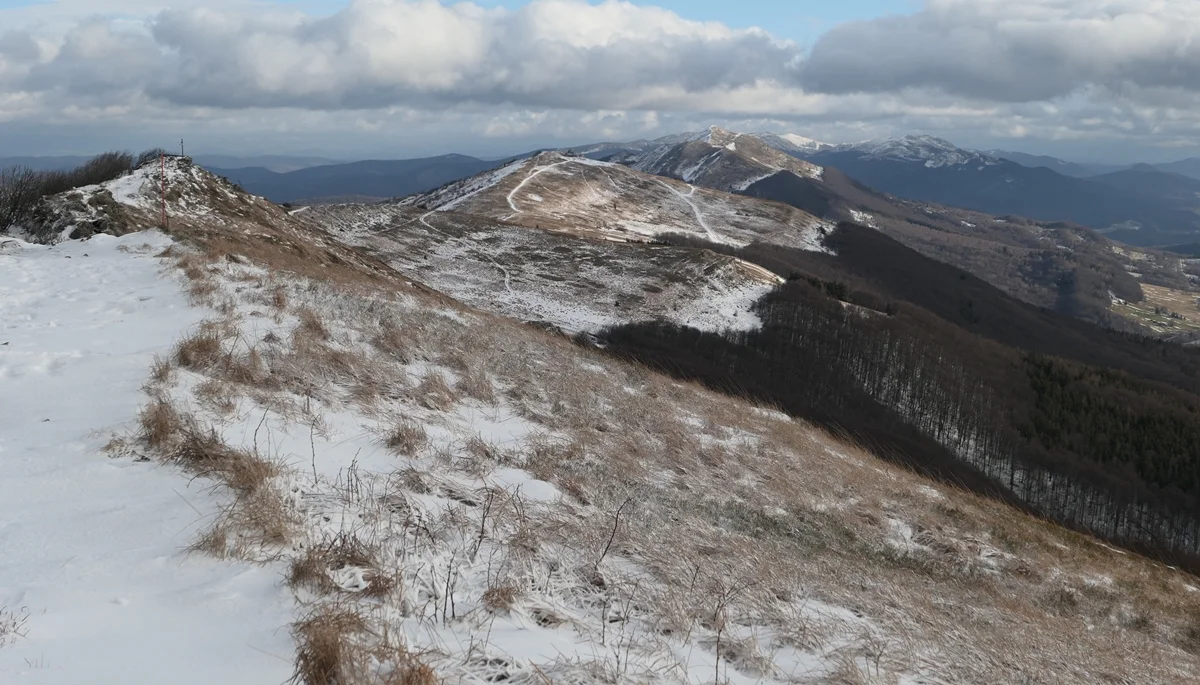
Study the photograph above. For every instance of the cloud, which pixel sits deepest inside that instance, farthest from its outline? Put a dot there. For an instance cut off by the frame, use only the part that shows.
(440, 74)
(379, 53)
(1014, 50)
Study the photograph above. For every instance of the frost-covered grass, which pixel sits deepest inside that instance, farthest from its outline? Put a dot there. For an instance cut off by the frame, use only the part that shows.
(576, 285)
(447, 495)
(460, 497)
(583, 197)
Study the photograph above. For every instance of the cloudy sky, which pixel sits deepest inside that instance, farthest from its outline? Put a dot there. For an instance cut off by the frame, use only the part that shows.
(1091, 80)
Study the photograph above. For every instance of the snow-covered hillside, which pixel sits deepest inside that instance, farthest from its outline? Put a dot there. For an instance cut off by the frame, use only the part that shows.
(791, 143)
(432, 493)
(928, 150)
(588, 198)
(724, 160)
(577, 285)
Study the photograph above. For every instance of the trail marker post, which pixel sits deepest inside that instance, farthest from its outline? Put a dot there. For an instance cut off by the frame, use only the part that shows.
(162, 188)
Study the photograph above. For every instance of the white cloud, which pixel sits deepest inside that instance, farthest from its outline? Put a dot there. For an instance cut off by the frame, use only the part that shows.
(1015, 50)
(375, 53)
(975, 71)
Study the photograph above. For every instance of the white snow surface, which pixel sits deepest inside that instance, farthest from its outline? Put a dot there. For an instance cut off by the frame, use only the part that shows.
(864, 218)
(92, 545)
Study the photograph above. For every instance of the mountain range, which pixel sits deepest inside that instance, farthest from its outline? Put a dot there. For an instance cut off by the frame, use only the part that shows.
(668, 400)
(1148, 205)
(929, 169)
(1140, 205)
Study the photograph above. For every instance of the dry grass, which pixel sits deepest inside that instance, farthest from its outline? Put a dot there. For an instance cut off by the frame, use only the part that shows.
(406, 438)
(312, 569)
(161, 370)
(13, 625)
(333, 650)
(736, 515)
(433, 392)
(392, 341)
(311, 324)
(328, 652)
(217, 395)
(160, 423)
(204, 452)
(475, 383)
(201, 350)
(500, 598)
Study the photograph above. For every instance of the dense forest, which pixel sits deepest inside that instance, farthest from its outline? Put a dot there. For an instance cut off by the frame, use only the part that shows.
(947, 375)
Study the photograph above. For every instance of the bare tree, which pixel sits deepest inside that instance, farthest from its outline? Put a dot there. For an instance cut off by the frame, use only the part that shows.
(20, 190)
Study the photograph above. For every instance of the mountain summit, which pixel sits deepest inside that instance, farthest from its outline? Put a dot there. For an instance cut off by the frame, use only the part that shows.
(930, 151)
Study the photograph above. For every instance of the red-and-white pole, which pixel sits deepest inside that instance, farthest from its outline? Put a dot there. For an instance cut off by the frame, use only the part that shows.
(162, 187)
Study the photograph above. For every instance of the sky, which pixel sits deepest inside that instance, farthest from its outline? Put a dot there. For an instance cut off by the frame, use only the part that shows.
(1087, 80)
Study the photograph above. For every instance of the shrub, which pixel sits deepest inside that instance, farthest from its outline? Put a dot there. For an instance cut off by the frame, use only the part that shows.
(149, 156)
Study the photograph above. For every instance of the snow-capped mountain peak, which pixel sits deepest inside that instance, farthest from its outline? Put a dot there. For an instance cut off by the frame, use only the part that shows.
(791, 143)
(930, 150)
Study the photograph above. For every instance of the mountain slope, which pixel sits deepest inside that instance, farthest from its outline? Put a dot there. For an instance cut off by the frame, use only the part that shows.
(552, 279)
(1189, 167)
(1061, 166)
(1149, 181)
(1026, 259)
(581, 196)
(721, 159)
(450, 496)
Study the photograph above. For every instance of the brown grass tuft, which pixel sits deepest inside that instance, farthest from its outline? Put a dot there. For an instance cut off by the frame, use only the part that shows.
(406, 438)
(160, 370)
(327, 651)
(217, 395)
(199, 351)
(476, 384)
(201, 290)
(394, 342)
(311, 324)
(214, 543)
(500, 598)
(311, 569)
(332, 651)
(206, 453)
(434, 392)
(160, 423)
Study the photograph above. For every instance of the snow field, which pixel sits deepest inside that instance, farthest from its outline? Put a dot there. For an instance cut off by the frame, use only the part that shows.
(93, 546)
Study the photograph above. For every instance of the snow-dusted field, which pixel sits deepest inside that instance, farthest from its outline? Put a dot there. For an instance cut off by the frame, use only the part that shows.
(91, 547)
(531, 275)
(583, 197)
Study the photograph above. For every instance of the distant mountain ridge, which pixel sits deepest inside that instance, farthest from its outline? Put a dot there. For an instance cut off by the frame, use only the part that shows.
(1026, 259)
(377, 179)
(928, 169)
(1076, 169)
